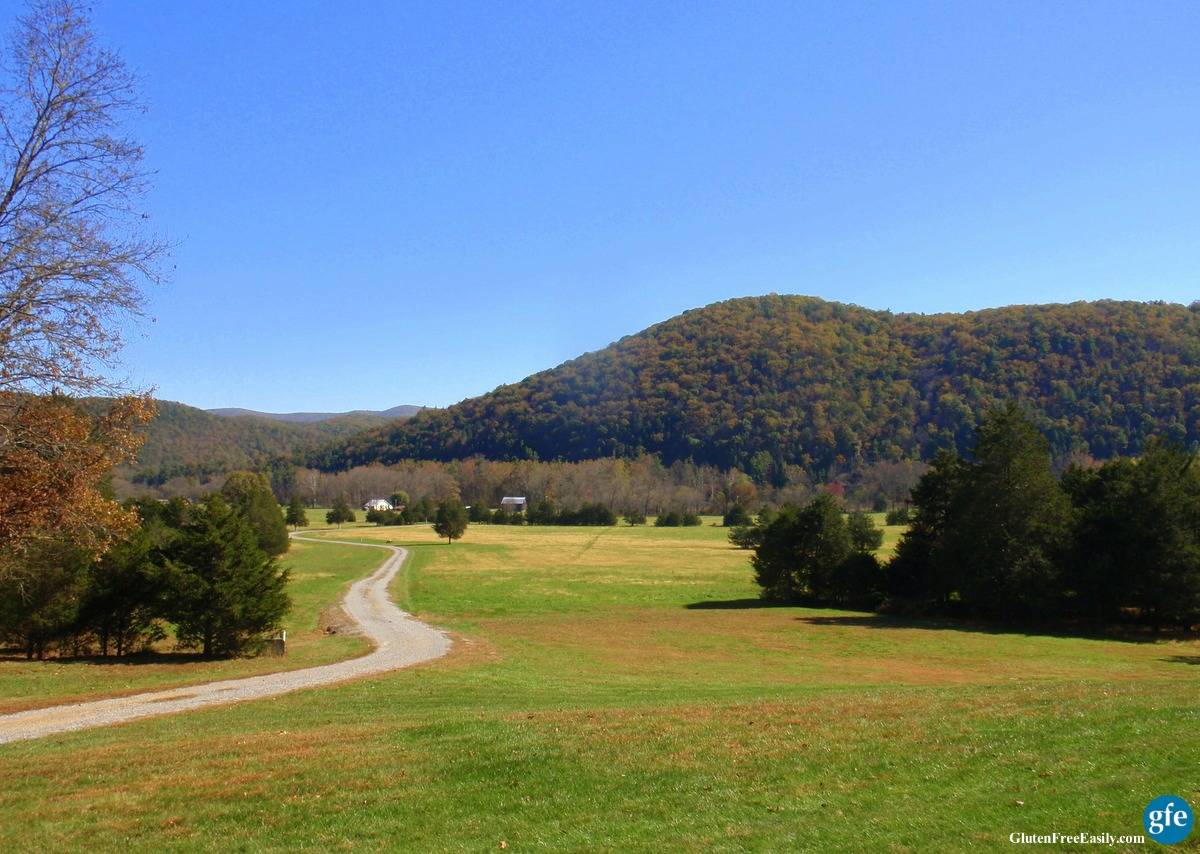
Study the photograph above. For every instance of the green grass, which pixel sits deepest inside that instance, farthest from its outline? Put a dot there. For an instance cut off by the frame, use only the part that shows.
(586, 706)
(319, 575)
(316, 519)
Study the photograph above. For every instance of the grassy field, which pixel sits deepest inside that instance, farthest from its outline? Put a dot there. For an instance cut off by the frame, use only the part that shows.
(319, 575)
(621, 689)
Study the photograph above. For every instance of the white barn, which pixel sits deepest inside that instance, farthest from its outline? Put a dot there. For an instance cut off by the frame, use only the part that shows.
(513, 503)
(378, 504)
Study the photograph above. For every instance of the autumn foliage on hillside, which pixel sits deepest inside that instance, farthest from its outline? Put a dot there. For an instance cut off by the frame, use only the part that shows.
(53, 455)
(759, 383)
(185, 442)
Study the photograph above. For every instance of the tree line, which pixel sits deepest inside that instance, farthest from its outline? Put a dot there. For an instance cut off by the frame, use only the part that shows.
(207, 569)
(643, 485)
(998, 535)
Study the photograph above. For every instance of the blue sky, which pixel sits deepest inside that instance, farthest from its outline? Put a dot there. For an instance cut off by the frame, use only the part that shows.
(381, 203)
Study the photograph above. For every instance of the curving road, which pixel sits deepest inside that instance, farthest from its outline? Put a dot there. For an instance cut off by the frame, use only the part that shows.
(400, 641)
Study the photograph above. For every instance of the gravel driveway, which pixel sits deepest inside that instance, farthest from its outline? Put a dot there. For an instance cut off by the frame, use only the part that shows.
(400, 641)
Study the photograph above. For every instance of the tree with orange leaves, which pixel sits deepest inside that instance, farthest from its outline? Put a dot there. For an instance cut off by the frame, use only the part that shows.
(53, 456)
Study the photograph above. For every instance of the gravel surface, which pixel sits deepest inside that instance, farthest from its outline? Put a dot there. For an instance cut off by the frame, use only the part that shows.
(400, 641)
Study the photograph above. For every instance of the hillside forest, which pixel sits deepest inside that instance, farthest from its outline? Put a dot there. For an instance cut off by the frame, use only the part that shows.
(761, 384)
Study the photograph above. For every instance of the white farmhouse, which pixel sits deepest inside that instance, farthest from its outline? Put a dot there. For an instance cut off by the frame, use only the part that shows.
(378, 504)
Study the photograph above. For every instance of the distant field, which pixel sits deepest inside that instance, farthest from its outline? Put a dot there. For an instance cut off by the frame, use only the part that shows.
(316, 519)
(621, 689)
(319, 574)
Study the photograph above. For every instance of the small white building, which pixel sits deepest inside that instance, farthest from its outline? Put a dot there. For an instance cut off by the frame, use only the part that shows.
(378, 504)
(513, 503)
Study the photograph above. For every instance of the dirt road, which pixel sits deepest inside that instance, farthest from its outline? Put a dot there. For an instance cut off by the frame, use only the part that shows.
(400, 641)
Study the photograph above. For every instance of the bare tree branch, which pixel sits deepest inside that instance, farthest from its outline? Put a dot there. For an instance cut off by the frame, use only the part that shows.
(73, 252)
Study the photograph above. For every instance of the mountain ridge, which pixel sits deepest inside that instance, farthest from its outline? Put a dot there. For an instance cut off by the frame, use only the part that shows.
(766, 382)
(403, 410)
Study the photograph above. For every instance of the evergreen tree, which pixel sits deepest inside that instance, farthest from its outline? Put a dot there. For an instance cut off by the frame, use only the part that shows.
(865, 537)
(800, 551)
(451, 520)
(296, 515)
(341, 512)
(747, 536)
(917, 570)
(40, 603)
(124, 596)
(543, 513)
(251, 495)
(226, 594)
(423, 510)
(1137, 544)
(856, 582)
(1010, 522)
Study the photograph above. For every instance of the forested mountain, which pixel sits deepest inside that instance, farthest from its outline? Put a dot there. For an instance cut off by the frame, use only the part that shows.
(404, 410)
(182, 441)
(761, 382)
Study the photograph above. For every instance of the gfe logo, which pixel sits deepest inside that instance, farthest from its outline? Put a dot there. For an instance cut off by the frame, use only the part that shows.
(1168, 819)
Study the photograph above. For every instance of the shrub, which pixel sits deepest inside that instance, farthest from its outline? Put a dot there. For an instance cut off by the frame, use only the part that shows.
(736, 515)
(385, 517)
(588, 514)
(899, 516)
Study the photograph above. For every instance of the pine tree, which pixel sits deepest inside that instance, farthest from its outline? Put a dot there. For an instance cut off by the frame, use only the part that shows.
(226, 594)
(251, 495)
(917, 570)
(296, 516)
(865, 537)
(1010, 521)
(124, 595)
(341, 512)
(1137, 544)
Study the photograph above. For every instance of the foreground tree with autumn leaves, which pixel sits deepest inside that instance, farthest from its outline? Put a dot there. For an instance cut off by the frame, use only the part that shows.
(74, 257)
(53, 460)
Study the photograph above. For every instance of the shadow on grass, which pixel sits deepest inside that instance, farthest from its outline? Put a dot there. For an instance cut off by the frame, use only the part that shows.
(1183, 659)
(136, 659)
(734, 604)
(869, 620)
(1120, 634)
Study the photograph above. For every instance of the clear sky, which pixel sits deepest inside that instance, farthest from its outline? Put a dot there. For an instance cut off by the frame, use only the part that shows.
(382, 203)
